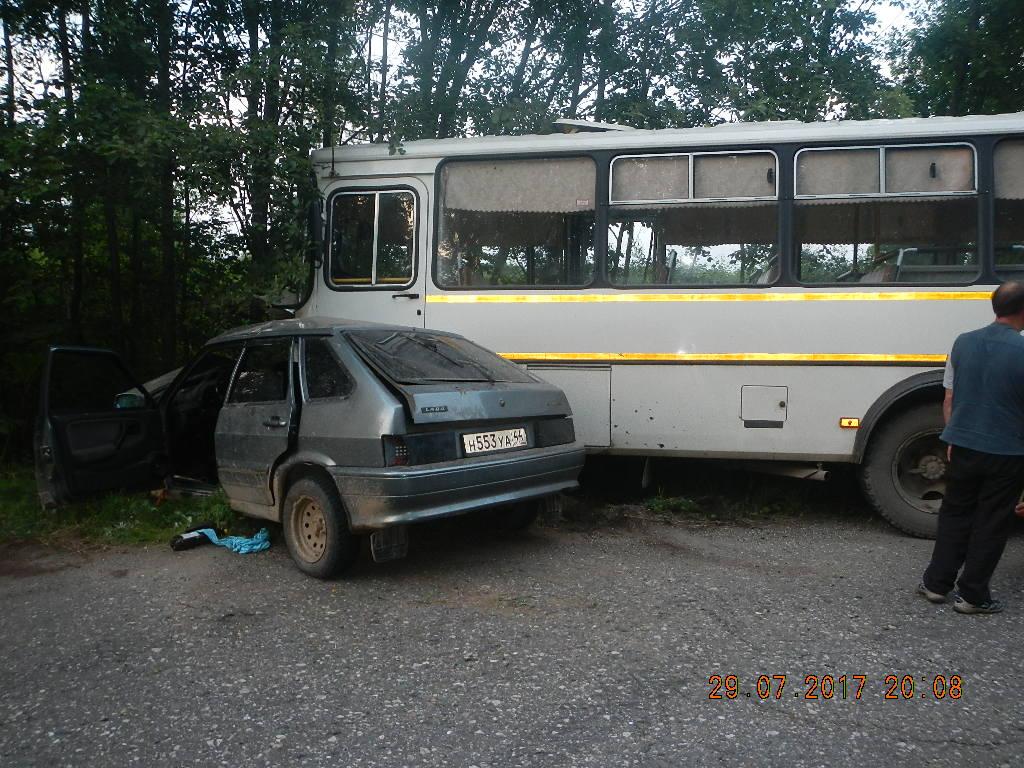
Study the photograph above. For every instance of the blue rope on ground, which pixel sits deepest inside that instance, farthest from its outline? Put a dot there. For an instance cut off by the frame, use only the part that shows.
(240, 544)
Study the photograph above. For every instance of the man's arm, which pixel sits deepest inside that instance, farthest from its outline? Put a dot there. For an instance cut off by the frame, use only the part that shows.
(948, 378)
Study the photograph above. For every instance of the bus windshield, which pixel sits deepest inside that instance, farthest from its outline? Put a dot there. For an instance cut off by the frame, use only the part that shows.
(417, 357)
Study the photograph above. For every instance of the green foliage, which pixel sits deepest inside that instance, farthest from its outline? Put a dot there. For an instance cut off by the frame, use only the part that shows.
(111, 519)
(154, 184)
(962, 57)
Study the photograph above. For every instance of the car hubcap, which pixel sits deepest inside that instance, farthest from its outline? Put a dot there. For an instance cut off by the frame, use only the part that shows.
(919, 472)
(309, 529)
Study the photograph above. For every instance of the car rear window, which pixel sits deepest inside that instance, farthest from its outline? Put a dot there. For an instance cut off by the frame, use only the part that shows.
(417, 357)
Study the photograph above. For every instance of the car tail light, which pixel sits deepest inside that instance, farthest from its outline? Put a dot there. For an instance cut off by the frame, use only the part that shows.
(396, 452)
(555, 432)
(424, 448)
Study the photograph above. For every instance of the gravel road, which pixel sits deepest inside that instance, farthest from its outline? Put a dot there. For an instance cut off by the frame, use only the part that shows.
(560, 647)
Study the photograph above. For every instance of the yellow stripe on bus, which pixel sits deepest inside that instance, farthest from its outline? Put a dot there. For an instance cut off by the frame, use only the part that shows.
(723, 357)
(588, 298)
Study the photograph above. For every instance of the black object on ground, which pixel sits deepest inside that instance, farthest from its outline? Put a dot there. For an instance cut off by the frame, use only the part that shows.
(192, 538)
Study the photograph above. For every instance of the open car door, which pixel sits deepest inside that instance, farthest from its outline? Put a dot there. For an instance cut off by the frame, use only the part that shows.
(98, 429)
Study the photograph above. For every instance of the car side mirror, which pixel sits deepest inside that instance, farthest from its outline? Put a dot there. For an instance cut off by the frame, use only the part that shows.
(129, 400)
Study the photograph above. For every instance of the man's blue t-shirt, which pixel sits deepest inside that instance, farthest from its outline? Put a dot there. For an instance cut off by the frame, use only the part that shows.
(988, 391)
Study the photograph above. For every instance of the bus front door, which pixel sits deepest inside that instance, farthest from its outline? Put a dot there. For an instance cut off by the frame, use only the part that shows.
(376, 241)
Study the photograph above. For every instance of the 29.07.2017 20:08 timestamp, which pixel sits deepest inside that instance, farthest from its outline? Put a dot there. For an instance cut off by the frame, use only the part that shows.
(845, 687)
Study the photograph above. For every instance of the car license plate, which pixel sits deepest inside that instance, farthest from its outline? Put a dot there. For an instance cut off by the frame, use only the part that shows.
(500, 440)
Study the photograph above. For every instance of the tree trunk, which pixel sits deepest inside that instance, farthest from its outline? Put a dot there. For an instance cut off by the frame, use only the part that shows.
(382, 98)
(519, 76)
(957, 105)
(113, 261)
(258, 144)
(136, 333)
(330, 66)
(165, 220)
(425, 64)
(9, 62)
(74, 308)
(184, 266)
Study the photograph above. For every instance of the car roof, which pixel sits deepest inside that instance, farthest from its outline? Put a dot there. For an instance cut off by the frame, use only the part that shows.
(301, 326)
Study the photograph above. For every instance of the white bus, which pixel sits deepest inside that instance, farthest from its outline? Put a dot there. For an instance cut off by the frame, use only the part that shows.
(771, 291)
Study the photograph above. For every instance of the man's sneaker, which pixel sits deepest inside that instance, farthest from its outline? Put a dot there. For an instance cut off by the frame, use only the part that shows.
(927, 594)
(990, 606)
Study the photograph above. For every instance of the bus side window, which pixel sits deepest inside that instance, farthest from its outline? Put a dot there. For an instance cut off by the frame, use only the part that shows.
(372, 238)
(517, 223)
(910, 240)
(1009, 205)
(723, 233)
(916, 223)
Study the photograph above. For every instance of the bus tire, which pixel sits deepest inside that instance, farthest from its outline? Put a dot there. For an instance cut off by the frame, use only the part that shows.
(904, 470)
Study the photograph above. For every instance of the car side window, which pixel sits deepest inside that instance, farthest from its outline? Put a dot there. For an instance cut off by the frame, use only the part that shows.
(89, 382)
(325, 376)
(207, 380)
(263, 373)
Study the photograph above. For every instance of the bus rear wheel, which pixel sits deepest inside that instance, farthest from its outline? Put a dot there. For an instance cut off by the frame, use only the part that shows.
(904, 470)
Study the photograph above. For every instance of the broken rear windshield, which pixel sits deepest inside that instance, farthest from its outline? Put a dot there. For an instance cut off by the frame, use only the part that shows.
(415, 357)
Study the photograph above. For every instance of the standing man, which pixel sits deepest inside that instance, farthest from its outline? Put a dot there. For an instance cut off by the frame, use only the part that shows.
(985, 432)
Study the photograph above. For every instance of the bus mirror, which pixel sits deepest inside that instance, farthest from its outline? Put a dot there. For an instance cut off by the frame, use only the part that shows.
(315, 223)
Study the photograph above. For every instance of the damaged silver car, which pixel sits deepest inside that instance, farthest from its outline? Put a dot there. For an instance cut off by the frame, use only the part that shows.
(335, 429)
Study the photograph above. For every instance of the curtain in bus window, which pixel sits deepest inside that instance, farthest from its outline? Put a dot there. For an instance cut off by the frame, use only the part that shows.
(838, 172)
(352, 223)
(517, 222)
(658, 177)
(727, 243)
(903, 240)
(929, 169)
(1009, 209)
(395, 231)
(744, 174)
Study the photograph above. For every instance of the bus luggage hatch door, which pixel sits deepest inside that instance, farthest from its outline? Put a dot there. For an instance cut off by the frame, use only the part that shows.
(763, 407)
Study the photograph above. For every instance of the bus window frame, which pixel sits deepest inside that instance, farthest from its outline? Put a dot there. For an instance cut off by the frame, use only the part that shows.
(595, 277)
(994, 140)
(615, 207)
(328, 228)
(786, 149)
(984, 253)
(693, 155)
(881, 171)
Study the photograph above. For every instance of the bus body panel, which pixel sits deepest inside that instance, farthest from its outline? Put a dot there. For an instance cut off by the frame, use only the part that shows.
(697, 410)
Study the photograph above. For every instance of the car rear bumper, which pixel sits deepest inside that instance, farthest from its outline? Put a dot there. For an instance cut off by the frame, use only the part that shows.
(378, 498)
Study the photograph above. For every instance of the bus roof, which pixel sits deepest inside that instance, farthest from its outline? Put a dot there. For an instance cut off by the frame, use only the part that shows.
(726, 134)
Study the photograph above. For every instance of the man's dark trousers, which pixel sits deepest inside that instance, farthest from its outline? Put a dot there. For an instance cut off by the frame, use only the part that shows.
(974, 522)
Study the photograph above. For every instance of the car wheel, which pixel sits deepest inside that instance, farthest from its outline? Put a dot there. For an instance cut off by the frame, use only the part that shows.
(519, 517)
(904, 471)
(316, 529)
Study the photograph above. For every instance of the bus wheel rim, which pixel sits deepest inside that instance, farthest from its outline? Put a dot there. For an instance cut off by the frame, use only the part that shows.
(919, 470)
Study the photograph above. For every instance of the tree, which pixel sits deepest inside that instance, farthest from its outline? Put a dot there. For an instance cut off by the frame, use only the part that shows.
(962, 57)
(793, 59)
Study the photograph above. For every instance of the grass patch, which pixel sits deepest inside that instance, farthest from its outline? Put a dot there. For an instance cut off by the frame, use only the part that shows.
(116, 518)
(702, 492)
(726, 507)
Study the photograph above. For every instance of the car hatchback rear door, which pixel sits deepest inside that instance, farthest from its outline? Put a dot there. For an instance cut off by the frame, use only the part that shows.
(98, 429)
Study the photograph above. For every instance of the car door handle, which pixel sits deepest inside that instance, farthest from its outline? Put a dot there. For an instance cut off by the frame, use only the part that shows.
(275, 421)
(405, 296)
